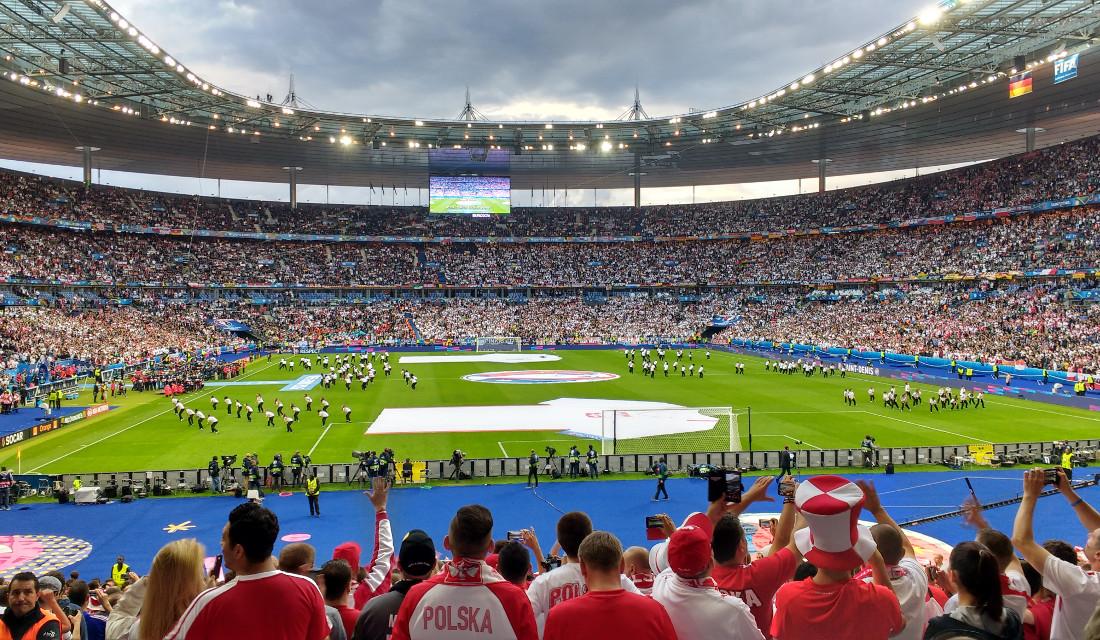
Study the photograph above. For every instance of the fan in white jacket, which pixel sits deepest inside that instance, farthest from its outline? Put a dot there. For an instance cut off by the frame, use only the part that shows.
(691, 597)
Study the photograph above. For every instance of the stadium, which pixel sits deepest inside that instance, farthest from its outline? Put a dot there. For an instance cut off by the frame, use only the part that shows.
(876, 280)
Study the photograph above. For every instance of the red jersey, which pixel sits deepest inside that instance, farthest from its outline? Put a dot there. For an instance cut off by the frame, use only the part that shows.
(852, 610)
(757, 583)
(348, 615)
(1043, 612)
(593, 615)
(265, 606)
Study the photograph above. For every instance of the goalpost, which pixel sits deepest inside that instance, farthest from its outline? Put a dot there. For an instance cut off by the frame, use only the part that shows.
(682, 430)
(496, 343)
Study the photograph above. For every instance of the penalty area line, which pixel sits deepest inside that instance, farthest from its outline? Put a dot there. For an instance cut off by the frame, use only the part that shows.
(924, 426)
(319, 439)
(502, 450)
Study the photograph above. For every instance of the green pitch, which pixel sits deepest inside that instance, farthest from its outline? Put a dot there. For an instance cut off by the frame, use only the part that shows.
(143, 433)
(452, 205)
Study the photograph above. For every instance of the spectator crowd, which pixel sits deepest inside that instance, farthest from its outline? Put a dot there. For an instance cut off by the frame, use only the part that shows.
(823, 575)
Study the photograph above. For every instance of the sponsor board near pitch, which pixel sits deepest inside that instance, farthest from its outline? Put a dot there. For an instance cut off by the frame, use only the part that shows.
(52, 425)
(540, 376)
(859, 368)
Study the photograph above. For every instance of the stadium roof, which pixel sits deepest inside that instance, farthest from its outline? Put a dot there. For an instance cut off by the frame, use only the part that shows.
(931, 91)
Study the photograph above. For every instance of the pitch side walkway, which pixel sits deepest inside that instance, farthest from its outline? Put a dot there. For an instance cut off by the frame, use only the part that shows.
(87, 538)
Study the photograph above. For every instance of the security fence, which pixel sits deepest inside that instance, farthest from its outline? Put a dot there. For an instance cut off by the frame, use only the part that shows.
(348, 473)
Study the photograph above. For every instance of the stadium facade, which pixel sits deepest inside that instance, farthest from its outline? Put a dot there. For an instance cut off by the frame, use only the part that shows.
(932, 91)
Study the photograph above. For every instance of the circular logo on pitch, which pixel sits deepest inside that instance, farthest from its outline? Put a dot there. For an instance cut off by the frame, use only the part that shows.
(540, 376)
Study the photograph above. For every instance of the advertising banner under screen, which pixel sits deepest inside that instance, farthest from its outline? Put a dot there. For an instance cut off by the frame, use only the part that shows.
(469, 195)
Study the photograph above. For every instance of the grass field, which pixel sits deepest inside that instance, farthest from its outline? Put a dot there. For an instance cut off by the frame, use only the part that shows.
(452, 205)
(143, 433)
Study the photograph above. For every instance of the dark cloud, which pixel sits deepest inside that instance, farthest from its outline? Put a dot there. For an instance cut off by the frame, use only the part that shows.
(563, 59)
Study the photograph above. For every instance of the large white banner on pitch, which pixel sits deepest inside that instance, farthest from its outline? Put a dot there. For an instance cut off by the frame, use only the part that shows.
(583, 417)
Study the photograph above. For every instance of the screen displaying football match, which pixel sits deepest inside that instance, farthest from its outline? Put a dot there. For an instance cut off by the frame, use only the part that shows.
(469, 195)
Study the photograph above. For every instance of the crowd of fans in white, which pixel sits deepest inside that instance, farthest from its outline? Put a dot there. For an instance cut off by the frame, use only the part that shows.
(823, 575)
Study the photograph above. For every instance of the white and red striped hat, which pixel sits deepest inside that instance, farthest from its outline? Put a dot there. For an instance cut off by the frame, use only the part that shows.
(835, 539)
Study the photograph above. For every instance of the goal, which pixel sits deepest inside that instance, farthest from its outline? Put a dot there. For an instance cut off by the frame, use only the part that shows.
(680, 430)
(497, 343)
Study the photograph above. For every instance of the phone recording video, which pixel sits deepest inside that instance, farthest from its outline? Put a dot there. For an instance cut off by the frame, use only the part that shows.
(654, 528)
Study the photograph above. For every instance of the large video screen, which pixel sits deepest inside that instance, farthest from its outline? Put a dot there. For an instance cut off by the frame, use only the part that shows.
(469, 195)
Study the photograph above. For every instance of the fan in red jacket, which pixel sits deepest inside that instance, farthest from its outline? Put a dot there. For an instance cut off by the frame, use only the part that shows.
(468, 599)
(378, 571)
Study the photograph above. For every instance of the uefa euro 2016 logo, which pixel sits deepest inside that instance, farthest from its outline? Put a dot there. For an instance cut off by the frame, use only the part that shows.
(540, 376)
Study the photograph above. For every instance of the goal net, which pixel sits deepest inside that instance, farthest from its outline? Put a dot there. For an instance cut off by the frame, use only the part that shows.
(686, 430)
(497, 343)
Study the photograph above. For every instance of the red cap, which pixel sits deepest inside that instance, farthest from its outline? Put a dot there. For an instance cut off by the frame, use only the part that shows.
(689, 551)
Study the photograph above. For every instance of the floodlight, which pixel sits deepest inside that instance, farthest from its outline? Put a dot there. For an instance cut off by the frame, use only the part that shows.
(930, 16)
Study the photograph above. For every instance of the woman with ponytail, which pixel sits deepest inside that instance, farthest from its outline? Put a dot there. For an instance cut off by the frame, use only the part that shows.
(981, 613)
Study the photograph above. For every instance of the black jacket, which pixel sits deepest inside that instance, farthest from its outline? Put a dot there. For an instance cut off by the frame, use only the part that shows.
(944, 627)
(376, 619)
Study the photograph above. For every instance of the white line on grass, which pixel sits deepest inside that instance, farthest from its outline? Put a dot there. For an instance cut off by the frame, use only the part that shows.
(1023, 405)
(783, 435)
(140, 422)
(501, 445)
(776, 413)
(924, 426)
(319, 438)
(1057, 413)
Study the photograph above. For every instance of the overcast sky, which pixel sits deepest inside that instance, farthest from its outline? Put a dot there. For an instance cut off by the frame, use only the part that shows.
(522, 59)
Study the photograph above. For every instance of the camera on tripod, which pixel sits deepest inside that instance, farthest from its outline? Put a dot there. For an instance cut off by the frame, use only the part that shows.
(551, 452)
(361, 456)
(457, 457)
(228, 461)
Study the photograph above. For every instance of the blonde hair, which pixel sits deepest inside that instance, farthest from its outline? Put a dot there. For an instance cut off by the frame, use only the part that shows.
(175, 579)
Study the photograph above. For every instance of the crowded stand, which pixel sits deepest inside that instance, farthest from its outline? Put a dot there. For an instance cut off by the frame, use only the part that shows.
(1036, 322)
(1053, 240)
(1057, 172)
(825, 574)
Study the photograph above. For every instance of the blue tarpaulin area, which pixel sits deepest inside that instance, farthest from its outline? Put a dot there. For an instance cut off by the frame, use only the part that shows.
(88, 537)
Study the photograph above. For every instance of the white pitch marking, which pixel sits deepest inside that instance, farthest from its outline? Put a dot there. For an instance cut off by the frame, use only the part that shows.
(319, 438)
(502, 451)
(924, 426)
(157, 415)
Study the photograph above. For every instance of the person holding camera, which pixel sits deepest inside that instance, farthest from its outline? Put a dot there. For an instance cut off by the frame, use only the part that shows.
(215, 475)
(457, 458)
(533, 469)
(1077, 588)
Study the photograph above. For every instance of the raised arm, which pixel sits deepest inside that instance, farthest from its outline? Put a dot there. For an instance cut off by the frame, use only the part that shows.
(874, 506)
(1023, 535)
(1084, 511)
(381, 563)
(757, 493)
(782, 534)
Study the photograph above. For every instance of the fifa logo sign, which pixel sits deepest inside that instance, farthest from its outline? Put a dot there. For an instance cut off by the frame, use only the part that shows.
(1066, 68)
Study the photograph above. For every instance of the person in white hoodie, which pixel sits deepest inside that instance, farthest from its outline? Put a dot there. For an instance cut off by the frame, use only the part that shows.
(691, 597)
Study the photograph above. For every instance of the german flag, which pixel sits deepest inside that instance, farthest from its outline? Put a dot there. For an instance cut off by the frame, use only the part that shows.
(1019, 85)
